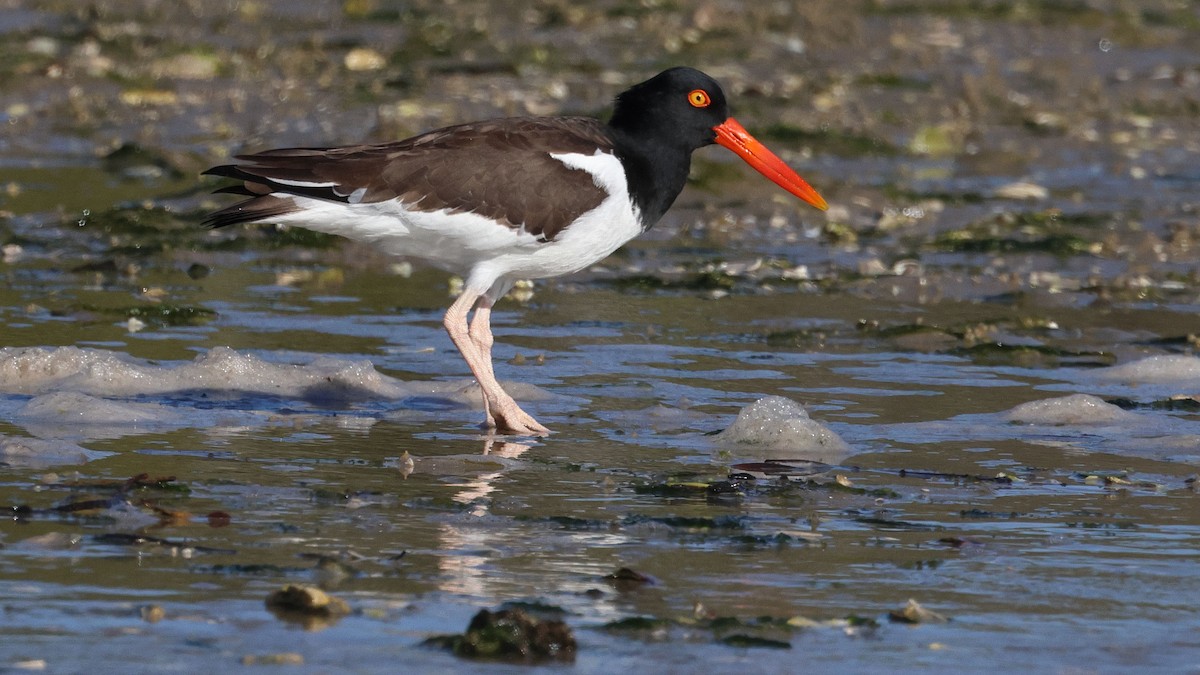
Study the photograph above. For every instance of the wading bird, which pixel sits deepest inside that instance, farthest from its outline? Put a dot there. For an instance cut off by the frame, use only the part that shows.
(505, 199)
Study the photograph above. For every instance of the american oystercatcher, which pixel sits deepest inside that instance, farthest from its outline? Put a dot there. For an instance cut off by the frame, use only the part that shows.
(505, 199)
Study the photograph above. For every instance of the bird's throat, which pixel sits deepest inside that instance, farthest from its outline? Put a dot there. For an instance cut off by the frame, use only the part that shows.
(655, 172)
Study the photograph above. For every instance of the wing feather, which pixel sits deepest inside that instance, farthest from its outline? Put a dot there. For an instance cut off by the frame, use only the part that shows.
(500, 169)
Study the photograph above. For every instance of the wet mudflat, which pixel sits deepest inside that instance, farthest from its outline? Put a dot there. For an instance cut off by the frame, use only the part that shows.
(993, 331)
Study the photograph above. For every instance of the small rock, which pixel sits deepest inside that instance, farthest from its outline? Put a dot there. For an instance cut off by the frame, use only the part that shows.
(361, 58)
(148, 97)
(1022, 190)
(872, 267)
(280, 659)
(43, 46)
(936, 141)
(307, 605)
(186, 67)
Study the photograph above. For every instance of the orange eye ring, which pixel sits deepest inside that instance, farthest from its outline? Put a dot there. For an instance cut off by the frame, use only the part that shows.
(699, 98)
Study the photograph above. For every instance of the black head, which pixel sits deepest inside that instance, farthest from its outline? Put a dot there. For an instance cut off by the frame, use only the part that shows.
(657, 124)
(679, 106)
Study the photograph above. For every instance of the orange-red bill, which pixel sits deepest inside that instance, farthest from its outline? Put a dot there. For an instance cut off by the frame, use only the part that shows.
(734, 136)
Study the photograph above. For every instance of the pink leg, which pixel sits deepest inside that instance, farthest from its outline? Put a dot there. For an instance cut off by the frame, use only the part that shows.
(480, 332)
(474, 342)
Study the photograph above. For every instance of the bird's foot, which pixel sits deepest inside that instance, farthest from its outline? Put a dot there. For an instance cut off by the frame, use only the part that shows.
(506, 417)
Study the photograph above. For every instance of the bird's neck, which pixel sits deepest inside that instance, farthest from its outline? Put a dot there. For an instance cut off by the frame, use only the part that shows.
(654, 170)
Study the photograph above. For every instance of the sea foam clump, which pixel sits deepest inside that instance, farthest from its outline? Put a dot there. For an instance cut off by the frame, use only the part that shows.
(1077, 409)
(66, 395)
(783, 428)
(1162, 369)
(37, 370)
(40, 453)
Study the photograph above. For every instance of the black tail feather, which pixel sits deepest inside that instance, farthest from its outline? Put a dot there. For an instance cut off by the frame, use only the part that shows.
(258, 209)
(262, 206)
(229, 171)
(239, 189)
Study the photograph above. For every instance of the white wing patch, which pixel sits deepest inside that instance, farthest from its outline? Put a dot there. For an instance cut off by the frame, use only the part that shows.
(302, 183)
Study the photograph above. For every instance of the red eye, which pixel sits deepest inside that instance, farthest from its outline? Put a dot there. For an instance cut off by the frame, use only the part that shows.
(699, 98)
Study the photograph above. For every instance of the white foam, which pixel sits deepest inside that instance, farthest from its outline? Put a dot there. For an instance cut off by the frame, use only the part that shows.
(783, 429)
(41, 453)
(77, 416)
(1162, 369)
(79, 395)
(37, 370)
(72, 407)
(1076, 409)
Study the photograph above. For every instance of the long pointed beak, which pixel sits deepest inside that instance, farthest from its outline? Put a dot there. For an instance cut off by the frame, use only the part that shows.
(734, 136)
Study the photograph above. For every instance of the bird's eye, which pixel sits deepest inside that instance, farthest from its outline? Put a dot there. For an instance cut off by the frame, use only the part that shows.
(699, 98)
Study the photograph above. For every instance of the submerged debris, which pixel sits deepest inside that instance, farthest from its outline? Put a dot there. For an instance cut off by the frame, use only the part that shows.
(511, 635)
(645, 624)
(771, 632)
(778, 468)
(913, 612)
(745, 641)
(182, 547)
(152, 613)
(626, 579)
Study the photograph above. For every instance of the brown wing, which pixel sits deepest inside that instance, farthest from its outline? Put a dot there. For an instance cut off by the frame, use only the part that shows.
(500, 169)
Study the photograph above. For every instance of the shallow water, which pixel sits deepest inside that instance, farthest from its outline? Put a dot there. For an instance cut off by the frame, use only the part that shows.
(934, 326)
